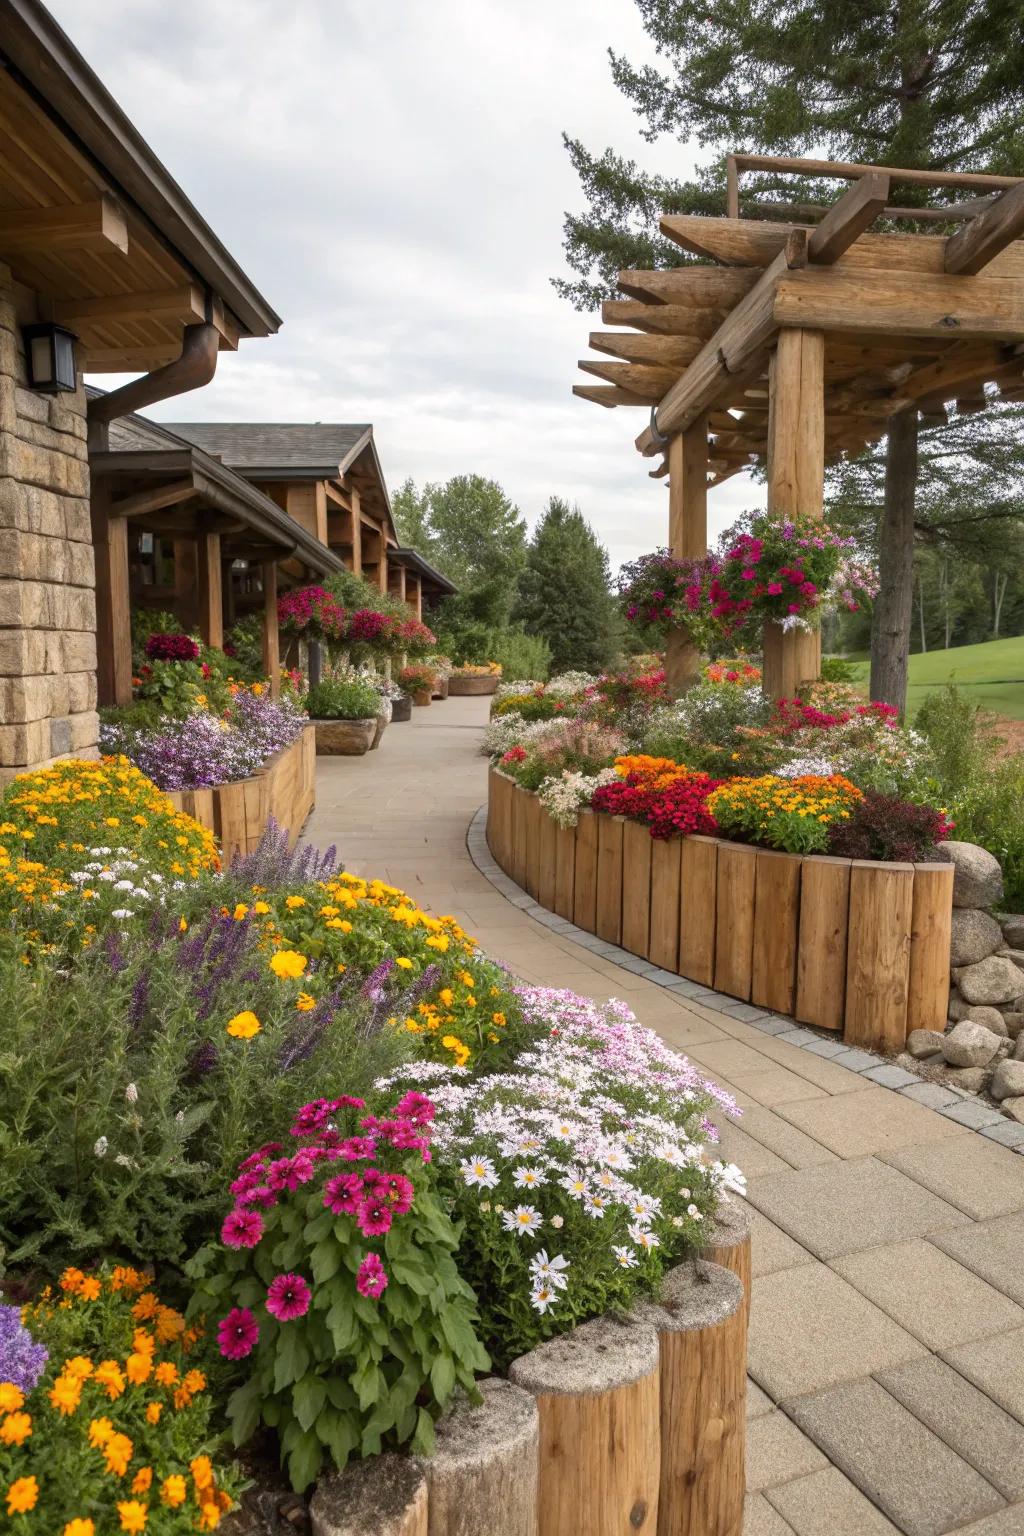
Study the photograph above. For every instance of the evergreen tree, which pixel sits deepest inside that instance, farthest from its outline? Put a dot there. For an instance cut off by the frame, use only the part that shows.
(934, 84)
(564, 592)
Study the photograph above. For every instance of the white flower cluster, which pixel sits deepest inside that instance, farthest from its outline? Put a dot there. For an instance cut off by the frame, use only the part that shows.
(130, 876)
(799, 766)
(563, 796)
(570, 682)
(518, 685)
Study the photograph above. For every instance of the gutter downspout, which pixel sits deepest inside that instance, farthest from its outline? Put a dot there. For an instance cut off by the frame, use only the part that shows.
(195, 367)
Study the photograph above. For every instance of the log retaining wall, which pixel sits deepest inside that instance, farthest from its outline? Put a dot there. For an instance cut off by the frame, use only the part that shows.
(238, 813)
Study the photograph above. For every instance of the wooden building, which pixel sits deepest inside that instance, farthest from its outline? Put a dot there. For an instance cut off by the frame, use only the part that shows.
(795, 344)
(105, 266)
(328, 478)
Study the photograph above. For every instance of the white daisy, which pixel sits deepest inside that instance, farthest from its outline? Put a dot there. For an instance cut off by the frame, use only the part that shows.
(525, 1219)
(642, 1238)
(549, 1271)
(576, 1184)
(479, 1170)
(542, 1297)
(691, 1210)
(528, 1178)
(625, 1257)
(595, 1205)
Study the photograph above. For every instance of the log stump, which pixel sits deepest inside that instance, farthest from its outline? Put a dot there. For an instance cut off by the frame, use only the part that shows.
(382, 1495)
(702, 1336)
(728, 1243)
(598, 1398)
(483, 1474)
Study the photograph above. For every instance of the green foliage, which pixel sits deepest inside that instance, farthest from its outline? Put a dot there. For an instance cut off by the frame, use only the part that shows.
(960, 742)
(152, 621)
(342, 699)
(990, 811)
(139, 716)
(389, 1337)
(518, 654)
(244, 647)
(530, 706)
(710, 726)
(354, 591)
(564, 592)
(836, 669)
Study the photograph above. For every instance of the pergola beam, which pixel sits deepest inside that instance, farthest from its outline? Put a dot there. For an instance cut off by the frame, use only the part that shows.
(185, 304)
(901, 304)
(96, 226)
(638, 378)
(151, 500)
(664, 319)
(701, 287)
(849, 217)
(608, 395)
(662, 351)
(974, 246)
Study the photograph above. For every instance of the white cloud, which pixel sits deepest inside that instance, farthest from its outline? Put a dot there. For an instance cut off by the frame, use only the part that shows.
(391, 175)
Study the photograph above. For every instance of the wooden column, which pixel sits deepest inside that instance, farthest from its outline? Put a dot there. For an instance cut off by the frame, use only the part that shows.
(186, 583)
(796, 483)
(113, 609)
(271, 638)
(687, 536)
(357, 534)
(210, 590)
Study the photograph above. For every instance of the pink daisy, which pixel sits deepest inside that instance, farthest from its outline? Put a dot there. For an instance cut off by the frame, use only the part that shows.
(237, 1334)
(288, 1298)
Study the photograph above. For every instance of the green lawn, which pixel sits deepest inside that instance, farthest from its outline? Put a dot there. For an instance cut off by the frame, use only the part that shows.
(992, 673)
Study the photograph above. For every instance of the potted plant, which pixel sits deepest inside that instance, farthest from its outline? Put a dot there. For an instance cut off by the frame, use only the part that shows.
(345, 714)
(418, 681)
(442, 668)
(470, 678)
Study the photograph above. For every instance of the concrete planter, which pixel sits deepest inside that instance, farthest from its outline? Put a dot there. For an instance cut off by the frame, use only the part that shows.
(421, 697)
(862, 948)
(345, 738)
(401, 710)
(441, 688)
(383, 720)
(463, 686)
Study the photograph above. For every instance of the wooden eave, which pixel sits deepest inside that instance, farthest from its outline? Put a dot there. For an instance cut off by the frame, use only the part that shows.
(206, 495)
(93, 223)
(435, 584)
(907, 319)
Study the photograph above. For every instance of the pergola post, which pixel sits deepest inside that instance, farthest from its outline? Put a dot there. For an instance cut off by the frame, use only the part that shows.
(210, 590)
(113, 606)
(271, 636)
(796, 484)
(186, 582)
(688, 538)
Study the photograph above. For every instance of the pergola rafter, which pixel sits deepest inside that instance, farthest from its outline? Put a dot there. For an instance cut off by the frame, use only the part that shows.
(794, 344)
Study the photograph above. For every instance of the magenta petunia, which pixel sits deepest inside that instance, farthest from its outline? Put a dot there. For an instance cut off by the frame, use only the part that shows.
(242, 1229)
(374, 1217)
(371, 1278)
(237, 1334)
(342, 1193)
(416, 1107)
(356, 1147)
(398, 1192)
(288, 1297)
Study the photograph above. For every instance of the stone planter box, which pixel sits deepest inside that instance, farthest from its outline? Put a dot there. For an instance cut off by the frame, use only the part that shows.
(421, 697)
(856, 947)
(380, 725)
(401, 710)
(441, 688)
(461, 687)
(664, 1388)
(284, 790)
(344, 738)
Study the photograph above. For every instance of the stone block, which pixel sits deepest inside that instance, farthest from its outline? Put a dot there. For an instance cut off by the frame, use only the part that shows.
(31, 406)
(25, 743)
(969, 1045)
(992, 981)
(81, 692)
(978, 879)
(79, 651)
(85, 730)
(32, 698)
(44, 467)
(77, 520)
(1008, 1080)
(974, 935)
(61, 741)
(923, 1042)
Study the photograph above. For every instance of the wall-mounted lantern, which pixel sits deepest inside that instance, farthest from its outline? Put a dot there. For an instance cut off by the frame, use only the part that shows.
(50, 358)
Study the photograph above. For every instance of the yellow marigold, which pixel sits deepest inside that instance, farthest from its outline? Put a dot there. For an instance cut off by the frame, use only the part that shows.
(304, 1002)
(15, 1428)
(142, 1481)
(241, 911)
(174, 1491)
(261, 908)
(201, 1469)
(133, 1515)
(170, 1325)
(22, 1495)
(110, 1377)
(124, 1278)
(138, 1368)
(166, 1373)
(194, 1381)
(79, 1527)
(90, 1289)
(117, 1453)
(293, 902)
(79, 1366)
(146, 1307)
(143, 1343)
(153, 1412)
(499, 1019)
(209, 1516)
(244, 1025)
(11, 1397)
(70, 1281)
(65, 1395)
(288, 964)
(100, 1431)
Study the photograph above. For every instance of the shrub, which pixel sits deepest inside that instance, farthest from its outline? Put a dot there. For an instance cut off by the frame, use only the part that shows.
(557, 746)
(172, 648)
(962, 743)
(519, 654)
(882, 827)
(114, 1435)
(531, 706)
(793, 815)
(337, 1282)
(335, 699)
(990, 811)
(836, 669)
(417, 679)
(580, 1175)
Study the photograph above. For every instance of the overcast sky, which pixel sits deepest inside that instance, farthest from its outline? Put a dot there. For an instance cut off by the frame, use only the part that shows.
(390, 174)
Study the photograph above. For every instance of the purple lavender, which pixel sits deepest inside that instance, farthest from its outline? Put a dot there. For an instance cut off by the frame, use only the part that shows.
(22, 1360)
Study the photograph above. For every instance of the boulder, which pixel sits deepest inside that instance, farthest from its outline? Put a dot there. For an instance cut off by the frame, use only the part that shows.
(1014, 1108)
(970, 1079)
(969, 1045)
(978, 880)
(1008, 1080)
(995, 980)
(1013, 930)
(1014, 1023)
(922, 1043)
(990, 1017)
(1016, 955)
(973, 936)
(957, 1009)
(1017, 1054)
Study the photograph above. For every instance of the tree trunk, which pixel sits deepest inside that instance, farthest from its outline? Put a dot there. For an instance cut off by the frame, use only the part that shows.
(945, 601)
(920, 607)
(890, 628)
(1001, 582)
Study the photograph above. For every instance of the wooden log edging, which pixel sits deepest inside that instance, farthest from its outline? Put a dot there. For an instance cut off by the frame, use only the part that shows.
(856, 947)
(483, 1474)
(379, 1496)
(598, 1398)
(728, 1244)
(238, 813)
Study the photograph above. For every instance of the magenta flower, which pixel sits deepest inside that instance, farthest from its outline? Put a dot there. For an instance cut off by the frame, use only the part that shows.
(288, 1297)
(373, 1218)
(342, 1193)
(237, 1334)
(371, 1279)
(415, 1107)
(398, 1191)
(356, 1147)
(242, 1229)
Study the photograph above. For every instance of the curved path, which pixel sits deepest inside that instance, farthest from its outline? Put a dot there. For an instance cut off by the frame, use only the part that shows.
(887, 1331)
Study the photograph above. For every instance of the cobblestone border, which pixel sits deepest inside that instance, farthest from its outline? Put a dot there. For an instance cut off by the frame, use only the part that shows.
(953, 1103)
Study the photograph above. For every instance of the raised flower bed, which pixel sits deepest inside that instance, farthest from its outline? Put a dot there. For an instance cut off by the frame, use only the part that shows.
(856, 946)
(473, 681)
(283, 790)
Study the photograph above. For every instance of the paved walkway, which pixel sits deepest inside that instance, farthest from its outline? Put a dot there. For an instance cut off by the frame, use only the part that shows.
(887, 1330)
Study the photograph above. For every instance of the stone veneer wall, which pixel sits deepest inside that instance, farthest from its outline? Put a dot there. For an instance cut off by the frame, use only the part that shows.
(47, 572)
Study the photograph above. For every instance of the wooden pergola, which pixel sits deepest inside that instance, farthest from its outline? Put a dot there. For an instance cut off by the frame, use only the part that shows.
(794, 344)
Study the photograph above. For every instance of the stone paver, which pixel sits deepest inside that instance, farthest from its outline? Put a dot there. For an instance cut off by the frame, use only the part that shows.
(910, 1208)
(929, 1294)
(924, 1487)
(809, 1329)
(845, 1206)
(966, 1419)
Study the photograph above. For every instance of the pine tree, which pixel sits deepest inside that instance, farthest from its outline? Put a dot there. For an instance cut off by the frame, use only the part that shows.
(564, 592)
(934, 84)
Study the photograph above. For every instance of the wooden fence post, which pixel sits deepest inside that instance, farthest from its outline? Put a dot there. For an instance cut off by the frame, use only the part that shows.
(728, 1243)
(930, 945)
(734, 919)
(547, 855)
(483, 1473)
(584, 907)
(608, 924)
(665, 866)
(822, 943)
(385, 1495)
(776, 919)
(597, 1394)
(565, 871)
(698, 896)
(636, 887)
(878, 959)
